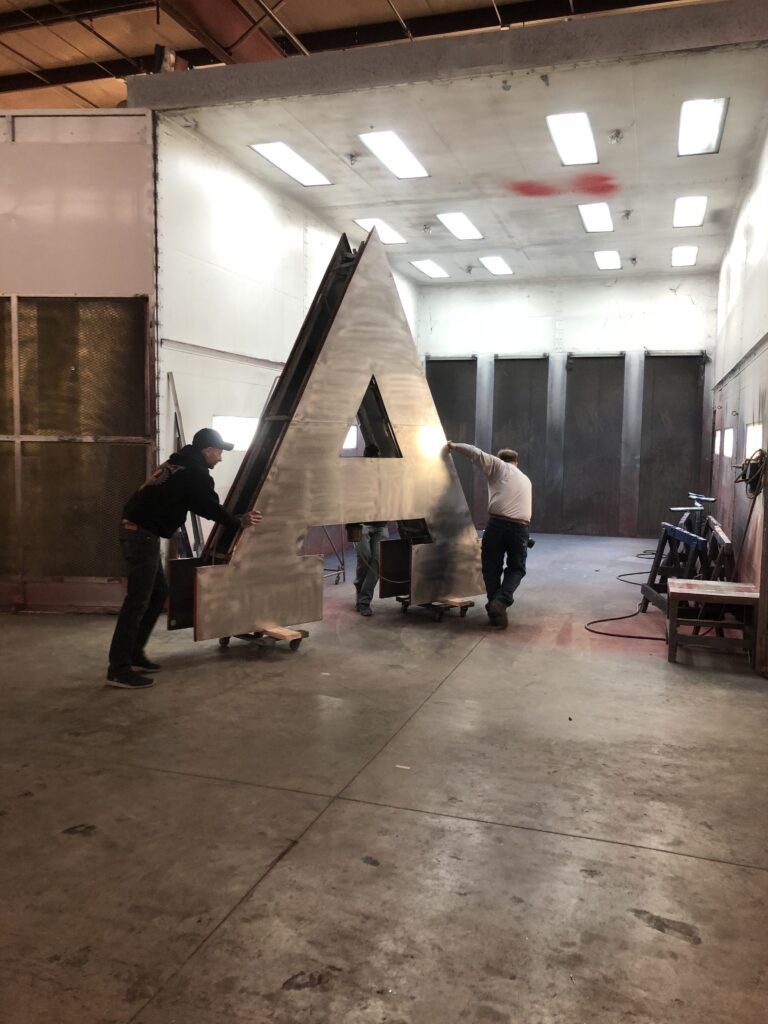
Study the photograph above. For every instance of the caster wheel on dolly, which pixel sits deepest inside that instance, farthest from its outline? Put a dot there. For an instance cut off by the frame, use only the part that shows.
(223, 641)
(463, 612)
(294, 644)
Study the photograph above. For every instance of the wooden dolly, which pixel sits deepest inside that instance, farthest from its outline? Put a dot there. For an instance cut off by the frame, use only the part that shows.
(740, 599)
(269, 637)
(439, 608)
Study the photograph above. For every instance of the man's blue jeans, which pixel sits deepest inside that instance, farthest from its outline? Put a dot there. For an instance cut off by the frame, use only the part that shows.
(368, 562)
(503, 538)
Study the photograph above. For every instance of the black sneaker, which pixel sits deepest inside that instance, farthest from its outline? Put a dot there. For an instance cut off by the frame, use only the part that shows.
(127, 679)
(366, 610)
(142, 661)
(497, 613)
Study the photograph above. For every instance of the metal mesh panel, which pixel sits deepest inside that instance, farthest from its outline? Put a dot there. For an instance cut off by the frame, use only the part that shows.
(73, 498)
(82, 366)
(9, 540)
(6, 369)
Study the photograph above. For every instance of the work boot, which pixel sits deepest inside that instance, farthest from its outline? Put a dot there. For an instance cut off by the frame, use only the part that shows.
(497, 613)
(366, 610)
(142, 661)
(127, 679)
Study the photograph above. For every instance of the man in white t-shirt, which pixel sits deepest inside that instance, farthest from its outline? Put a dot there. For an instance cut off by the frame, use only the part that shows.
(506, 535)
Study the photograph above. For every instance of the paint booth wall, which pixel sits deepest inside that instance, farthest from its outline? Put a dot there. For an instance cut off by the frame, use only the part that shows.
(77, 204)
(658, 314)
(741, 367)
(238, 265)
(742, 314)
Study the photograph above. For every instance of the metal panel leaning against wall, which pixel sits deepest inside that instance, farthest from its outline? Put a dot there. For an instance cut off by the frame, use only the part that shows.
(77, 415)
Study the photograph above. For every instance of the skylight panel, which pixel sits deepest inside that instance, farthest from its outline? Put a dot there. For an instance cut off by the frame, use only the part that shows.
(608, 259)
(596, 216)
(394, 154)
(289, 161)
(573, 138)
(689, 211)
(685, 255)
(496, 265)
(430, 268)
(387, 234)
(701, 126)
(459, 225)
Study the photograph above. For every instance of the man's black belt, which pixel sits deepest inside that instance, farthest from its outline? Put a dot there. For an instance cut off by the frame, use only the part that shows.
(507, 519)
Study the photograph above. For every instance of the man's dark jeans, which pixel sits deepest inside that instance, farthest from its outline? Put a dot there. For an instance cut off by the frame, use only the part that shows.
(503, 538)
(147, 591)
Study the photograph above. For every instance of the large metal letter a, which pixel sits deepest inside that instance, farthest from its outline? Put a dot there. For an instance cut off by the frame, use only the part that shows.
(304, 480)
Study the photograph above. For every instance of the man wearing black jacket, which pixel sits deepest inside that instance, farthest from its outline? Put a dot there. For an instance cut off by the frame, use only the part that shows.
(158, 509)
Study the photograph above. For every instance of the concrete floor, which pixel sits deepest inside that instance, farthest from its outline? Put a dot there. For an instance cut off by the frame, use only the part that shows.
(403, 821)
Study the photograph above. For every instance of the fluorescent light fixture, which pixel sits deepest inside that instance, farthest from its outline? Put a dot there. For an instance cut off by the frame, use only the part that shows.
(717, 442)
(239, 430)
(728, 442)
(684, 255)
(596, 217)
(290, 162)
(701, 126)
(459, 225)
(496, 264)
(387, 234)
(573, 138)
(394, 154)
(689, 211)
(608, 259)
(430, 268)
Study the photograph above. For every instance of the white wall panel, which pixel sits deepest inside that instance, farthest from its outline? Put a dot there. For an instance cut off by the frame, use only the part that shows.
(654, 314)
(238, 262)
(76, 215)
(212, 384)
(238, 265)
(743, 297)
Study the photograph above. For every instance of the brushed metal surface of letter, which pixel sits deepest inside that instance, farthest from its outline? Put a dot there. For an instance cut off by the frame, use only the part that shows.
(267, 582)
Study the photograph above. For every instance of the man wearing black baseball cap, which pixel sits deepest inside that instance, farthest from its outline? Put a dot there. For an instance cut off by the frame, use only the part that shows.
(158, 509)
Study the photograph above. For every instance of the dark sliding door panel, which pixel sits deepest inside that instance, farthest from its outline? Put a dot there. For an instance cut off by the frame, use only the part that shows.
(670, 447)
(592, 445)
(453, 383)
(520, 422)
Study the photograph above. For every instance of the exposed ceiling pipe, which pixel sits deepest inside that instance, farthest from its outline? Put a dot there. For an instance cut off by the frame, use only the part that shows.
(399, 18)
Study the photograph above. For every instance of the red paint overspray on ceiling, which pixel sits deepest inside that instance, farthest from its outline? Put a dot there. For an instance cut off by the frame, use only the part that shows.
(595, 184)
(589, 184)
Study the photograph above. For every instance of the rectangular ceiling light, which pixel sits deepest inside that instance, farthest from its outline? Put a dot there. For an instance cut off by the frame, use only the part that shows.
(701, 126)
(387, 234)
(608, 259)
(573, 138)
(685, 255)
(689, 211)
(430, 268)
(496, 265)
(290, 162)
(394, 154)
(459, 225)
(596, 217)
